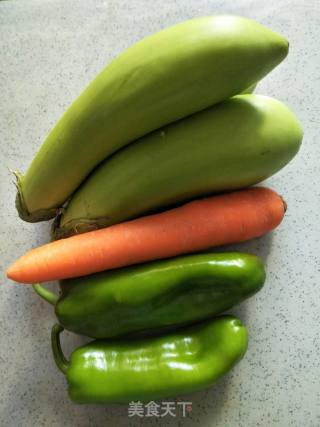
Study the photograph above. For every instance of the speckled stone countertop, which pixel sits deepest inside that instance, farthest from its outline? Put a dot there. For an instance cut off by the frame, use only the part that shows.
(49, 51)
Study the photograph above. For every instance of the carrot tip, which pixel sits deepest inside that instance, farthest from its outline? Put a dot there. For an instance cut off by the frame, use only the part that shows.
(10, 272)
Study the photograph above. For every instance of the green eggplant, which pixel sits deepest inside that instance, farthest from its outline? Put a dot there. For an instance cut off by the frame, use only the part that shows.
(162, 78)
(233, 145)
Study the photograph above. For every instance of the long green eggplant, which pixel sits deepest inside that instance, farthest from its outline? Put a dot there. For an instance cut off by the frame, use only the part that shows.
(156, 295)
(237, 143)
(163, 78)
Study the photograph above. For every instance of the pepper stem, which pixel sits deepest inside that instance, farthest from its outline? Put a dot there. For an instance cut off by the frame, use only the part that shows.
(61, 362)
(45, 294)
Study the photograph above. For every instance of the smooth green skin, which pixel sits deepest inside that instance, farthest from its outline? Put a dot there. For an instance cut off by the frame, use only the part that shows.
(162, 78)
(157, 295)
(235, 144)
(249, 89)
(147, 369)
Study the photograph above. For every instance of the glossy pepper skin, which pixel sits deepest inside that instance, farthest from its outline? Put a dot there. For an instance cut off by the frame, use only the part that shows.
(121, 371)
(157, 295)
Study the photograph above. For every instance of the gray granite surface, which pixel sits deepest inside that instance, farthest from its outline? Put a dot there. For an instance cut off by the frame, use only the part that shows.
(49, 51)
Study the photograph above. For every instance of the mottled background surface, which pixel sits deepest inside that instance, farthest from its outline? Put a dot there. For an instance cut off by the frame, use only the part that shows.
(49, 51)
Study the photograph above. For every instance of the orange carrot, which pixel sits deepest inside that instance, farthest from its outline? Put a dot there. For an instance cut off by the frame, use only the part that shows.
(195, 226)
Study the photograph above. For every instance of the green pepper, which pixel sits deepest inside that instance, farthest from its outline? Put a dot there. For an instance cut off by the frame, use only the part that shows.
(121, 371)
(156, 295)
